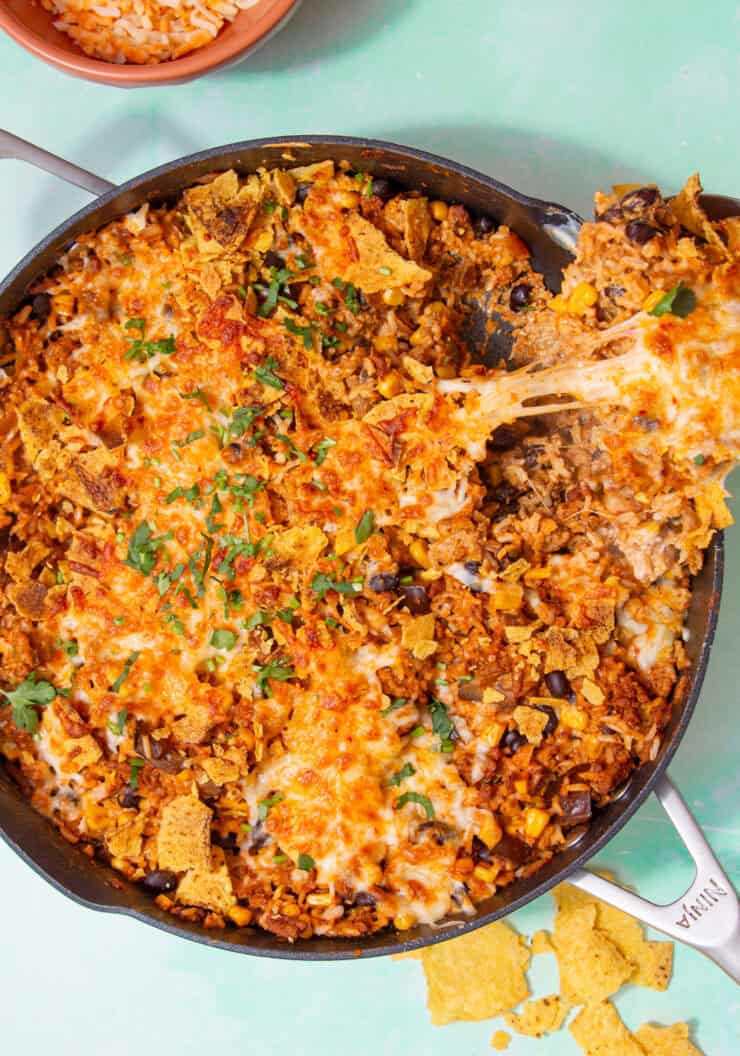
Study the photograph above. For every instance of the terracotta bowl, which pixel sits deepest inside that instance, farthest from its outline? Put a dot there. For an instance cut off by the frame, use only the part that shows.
(32, 27)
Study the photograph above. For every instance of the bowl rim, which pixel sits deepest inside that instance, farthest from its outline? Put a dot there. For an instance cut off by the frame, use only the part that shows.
(218, 53)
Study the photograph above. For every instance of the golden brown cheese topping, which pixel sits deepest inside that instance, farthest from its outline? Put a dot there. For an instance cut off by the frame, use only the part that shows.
(308, 621)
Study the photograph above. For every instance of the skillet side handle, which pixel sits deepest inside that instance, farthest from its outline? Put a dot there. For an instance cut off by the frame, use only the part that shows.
(707, 916)
(14, 147)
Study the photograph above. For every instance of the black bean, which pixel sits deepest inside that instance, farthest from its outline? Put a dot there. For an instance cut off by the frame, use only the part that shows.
(504, 437)
(481, 853)
(302, 192)
(383, 188)
(416, 598)
(648, 424)
(614, 292)
(128, 798)
(639, 232)
(361, 898)
(258, 837)
(41, 307)
(642, 198)
(160, 880)
(576, 808)
(227, 842)
(557, 683)
(483, 225)
(512, 741)
(610, 215)
(505, 493)
(512, 849)
(472, 567)
(384, 582)
(552, 719)
(273, 259)
(519, 297)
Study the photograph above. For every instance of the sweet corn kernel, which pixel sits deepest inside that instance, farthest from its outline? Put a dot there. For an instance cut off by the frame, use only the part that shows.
(403, 921)
(429, 575)
(347, 199)
(559, 304)
(572, 717)
(393, 298)
(419, 553)
(487, 873)
(385, 342)
(240, 915)
(4, 489)
(493, 734)
(582, 297)
(535, 821)
(118, 863)
(439, 210)
(417, 338)
(319, 898)
(64, 304)
(446, 370)
(490, 831)
(390, 385)
(520, 786)
(435, 308)
(652, 300)
(344, 541)
(164, 902)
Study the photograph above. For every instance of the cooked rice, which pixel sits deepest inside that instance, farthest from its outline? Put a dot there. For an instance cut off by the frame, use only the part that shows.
(143, 32)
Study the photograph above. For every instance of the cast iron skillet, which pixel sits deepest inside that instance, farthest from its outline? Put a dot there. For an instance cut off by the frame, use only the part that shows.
(707, 915)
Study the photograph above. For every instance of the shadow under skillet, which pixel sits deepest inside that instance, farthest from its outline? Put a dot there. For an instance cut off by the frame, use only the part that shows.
(556, 170)
(321, 28)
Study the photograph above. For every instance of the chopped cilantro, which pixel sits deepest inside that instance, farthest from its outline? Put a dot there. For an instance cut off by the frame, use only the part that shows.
(291, 447)
(118, 724)
(322, 449)
(134, 324)
(699, 460)
(223, 639)
(70, 648)
(303, 261)
(125, 673)
(321, 584)
(394, 705)
(265, 805)
(143, 547)
(29, 695)
(415, 797)
(407, 770)
(322, 309)
(142, 350)
(196, 394)
(679, 301)
(351, 296)
(365, 527)
(164, 580)
(280, 859)
(269, 205)
(418, 731)
(242, 418)
(136, 765)
(306, 332)
(216, 507)
(442, 724)
(305, 862)
(260, 618)
(318, 484)
(277, 672)
(191, 494)
(176, 624)
(265, 374)
(198, 434)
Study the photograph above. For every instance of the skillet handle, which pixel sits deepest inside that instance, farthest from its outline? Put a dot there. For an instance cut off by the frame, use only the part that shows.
(14, 147)
(707, 916)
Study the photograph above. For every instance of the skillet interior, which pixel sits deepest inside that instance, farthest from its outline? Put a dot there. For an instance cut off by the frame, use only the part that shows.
(545, 228)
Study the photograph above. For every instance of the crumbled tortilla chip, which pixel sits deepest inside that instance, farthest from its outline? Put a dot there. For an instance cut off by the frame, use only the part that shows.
(209, 889)
(476, 976)
(184, 835)
(377, 267)
(421, 373)
(220, 771)
(540, 943)
(38, 423)
(125, 840)
(82, 752)
(220, 213)
(20, 565)
(600, 1032)
(93, 480)
(299, 545)
(541, 1016)
(590, 965)
(500, 1040)
(530, 722)
(592, 693)
(417, 226)
(652, 960)
(689, 212)
(192, 727)
(418, 636)
(321, 170)
(29, 599)
(421, 402)
(666, 1041)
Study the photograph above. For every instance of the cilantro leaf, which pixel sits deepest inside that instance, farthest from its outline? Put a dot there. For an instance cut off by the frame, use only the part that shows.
(265, 374)
(365, 527)
(394, 705)
(125, 673)
(29, 695)
(118, 724)
(442, 724)
(415, 797)
(265, 805)
(407, 770)
(242, 418)
(322, 449)
(196, 394)
(306, 332)
(276, 671)
(321, 584)
(223, 639)
(136, 765)
(306, 862)
(143, 547)
(679, 301)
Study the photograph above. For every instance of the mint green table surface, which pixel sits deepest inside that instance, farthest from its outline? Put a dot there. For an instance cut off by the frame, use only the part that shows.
(558, 99)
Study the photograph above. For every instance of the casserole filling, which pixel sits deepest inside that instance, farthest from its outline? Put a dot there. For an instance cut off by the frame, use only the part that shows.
(309, 620)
